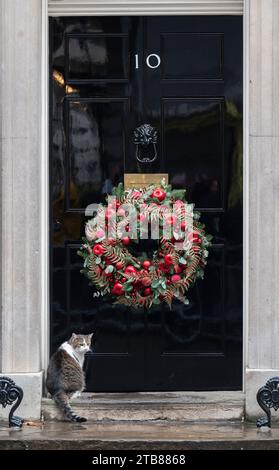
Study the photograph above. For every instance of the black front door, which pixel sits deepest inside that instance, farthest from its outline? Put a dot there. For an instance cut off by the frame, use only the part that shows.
(182, 75)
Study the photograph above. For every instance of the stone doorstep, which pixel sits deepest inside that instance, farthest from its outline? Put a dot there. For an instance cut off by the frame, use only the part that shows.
(148, 406)
(163, 435)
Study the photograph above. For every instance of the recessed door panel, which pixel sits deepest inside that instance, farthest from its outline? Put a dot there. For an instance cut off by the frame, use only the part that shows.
(97, 56)
(192, 56)
(193, 144)
(96, 144)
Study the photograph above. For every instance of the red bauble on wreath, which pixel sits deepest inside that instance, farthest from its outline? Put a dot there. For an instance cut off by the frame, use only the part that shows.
(136, 280)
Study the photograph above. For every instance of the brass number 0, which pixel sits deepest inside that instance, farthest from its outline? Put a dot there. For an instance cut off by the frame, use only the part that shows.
(147, 60)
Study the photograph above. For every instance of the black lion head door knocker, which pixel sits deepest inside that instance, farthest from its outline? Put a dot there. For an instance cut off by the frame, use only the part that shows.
(145, 139)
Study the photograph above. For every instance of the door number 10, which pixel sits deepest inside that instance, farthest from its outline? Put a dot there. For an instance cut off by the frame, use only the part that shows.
(152, 61)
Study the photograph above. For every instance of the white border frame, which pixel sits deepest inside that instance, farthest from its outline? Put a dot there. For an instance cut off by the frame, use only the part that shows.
(45, 302)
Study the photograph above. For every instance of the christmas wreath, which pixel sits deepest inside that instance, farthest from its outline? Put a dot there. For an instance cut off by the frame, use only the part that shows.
(119, 229)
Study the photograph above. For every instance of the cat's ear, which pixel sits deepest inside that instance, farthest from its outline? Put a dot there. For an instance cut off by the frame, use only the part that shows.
(73, 336)
(90, 336)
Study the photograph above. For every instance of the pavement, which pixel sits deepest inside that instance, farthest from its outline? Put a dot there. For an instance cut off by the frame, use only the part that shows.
(160, 435)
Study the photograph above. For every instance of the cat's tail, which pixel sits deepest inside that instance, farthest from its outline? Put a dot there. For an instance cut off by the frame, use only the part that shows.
(62, 401)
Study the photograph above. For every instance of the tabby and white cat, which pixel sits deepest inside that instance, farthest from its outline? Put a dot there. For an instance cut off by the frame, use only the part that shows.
(65, 377)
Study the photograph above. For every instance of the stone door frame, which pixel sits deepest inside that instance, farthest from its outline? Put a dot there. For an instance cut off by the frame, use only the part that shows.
(24, 326)
(56, 8)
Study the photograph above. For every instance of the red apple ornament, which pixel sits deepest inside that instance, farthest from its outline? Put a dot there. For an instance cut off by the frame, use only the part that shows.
(146, 264)
(118, 265)
(147, 292)
(130, 270)
(175, 278)
(159, 194)
(168, 260)
(125, 240)
(117, 289)
(98, 250)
